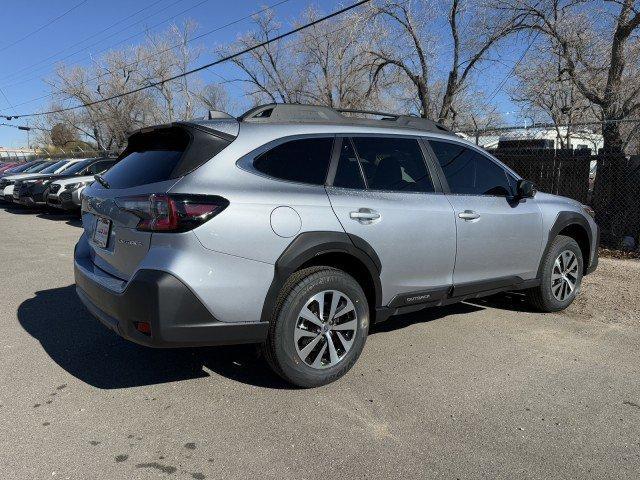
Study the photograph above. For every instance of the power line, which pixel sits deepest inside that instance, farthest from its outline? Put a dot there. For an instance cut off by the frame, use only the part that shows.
(513, 69)
(155, 54)
(19, 127)
(204, 67)
(20, 81)
(29, 67)
(7, 100)
(43, 26)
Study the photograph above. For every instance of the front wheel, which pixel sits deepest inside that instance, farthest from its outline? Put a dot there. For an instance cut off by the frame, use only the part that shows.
(319, 327)
(562, 269)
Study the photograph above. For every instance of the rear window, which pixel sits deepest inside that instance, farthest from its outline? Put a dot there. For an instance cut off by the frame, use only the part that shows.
(306, 160)
(162, 154)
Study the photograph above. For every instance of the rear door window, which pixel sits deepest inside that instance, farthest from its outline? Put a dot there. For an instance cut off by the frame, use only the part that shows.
(305, 160)
(393, 164)
(348, 173)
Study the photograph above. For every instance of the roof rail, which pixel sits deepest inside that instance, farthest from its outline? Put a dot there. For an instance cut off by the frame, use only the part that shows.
(294, 112)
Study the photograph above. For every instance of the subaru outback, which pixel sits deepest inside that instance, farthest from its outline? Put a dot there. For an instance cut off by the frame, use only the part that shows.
(297, 227)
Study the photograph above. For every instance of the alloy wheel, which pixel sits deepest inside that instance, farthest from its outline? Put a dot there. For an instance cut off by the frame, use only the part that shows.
(564, 275)
(325, 329)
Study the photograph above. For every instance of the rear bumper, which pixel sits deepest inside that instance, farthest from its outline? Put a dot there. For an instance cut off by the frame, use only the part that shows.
(176, 315)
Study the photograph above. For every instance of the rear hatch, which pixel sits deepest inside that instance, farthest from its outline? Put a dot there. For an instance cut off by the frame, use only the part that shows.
(154, 160)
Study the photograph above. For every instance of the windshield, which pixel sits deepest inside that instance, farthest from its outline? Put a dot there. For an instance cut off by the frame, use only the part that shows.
(76, 167)
(19, 168)
(54, 167)
(37, 168)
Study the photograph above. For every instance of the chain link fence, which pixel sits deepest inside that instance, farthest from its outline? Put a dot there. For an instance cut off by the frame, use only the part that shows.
(608, 183)
(27, 155)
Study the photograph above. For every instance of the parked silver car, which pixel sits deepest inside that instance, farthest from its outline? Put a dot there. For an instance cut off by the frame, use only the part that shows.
(297, 227)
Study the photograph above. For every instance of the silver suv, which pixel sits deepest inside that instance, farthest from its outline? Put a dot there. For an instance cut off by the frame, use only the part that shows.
(298, 226)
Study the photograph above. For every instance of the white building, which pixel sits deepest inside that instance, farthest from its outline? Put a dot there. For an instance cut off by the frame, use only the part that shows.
(7, 153)
(540, 137)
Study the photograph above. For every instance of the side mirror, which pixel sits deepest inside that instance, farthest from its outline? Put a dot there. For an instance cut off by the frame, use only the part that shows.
(526, 189)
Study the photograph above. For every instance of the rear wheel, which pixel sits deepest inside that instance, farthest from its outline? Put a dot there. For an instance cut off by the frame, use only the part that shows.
(319, 327)
(562, 270)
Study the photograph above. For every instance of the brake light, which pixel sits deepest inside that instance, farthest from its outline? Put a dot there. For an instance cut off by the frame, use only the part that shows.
(172, 213)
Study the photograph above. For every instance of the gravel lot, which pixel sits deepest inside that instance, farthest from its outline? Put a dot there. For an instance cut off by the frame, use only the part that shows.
(485, 390)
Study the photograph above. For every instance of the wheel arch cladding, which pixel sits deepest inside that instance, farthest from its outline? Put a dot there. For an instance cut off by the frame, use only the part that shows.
(574, 225)
(333, 249)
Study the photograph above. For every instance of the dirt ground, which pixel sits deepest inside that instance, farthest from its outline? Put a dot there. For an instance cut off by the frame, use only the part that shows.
(612, 294)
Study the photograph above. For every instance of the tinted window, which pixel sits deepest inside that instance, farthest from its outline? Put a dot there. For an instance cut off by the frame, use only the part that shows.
(393, 164)
(76, 167)
(305, 160)
(100, 167)
(140, 168)
(469, 172)
(348, 173)
(52, 168)
(20, 168)
(150, 157)
(37, 167)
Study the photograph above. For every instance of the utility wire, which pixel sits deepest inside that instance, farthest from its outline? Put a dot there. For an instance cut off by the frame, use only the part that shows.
(43, 26)
(204, 67)
(76, 43)
(513, 69)
(8, 102)
(21, 81)
(155, 54)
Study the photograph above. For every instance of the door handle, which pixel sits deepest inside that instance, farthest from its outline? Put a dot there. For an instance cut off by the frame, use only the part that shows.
(468, 215)
(364, 215)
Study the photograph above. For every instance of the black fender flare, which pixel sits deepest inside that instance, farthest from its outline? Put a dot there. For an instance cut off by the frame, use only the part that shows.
(563, 220)
(308, 245)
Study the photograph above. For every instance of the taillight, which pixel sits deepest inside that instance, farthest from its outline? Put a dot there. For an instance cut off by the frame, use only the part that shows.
(172, 213)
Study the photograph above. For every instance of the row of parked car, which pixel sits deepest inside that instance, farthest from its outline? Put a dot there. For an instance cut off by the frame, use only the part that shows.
(53, 183)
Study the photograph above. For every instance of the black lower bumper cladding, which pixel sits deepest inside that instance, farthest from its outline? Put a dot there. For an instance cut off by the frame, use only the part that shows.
(176, 315)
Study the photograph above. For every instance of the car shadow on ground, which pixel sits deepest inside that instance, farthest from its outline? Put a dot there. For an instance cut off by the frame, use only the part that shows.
(96, 355)
(71, 218)
(514, 301)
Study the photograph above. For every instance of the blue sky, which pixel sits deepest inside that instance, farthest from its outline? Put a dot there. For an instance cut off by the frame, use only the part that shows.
(69, 35)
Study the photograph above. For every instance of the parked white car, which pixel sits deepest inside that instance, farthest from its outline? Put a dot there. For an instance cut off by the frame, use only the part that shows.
(60, 192)
(7, 183)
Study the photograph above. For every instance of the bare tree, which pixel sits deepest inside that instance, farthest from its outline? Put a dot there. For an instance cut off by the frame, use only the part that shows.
(545, 93)
(326, 64)
(166, 55)
(119, 72)
(410, 47)
(214, 97)
(268, 71)
(599, 52)
(336, 62)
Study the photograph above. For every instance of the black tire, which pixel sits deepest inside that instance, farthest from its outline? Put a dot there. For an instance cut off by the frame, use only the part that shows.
(542, 297)
(280, 347)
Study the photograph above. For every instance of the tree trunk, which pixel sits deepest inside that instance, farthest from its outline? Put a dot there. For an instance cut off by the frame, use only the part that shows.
(423, 95)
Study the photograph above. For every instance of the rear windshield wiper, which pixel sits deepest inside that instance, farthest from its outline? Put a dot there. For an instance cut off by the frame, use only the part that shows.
(102, 181)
